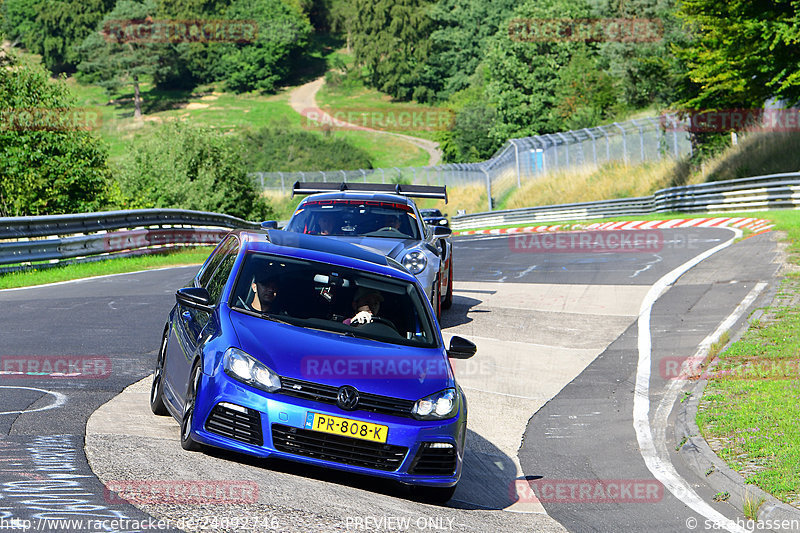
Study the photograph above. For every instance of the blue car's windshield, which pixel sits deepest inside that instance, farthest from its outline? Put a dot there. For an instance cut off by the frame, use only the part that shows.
(344, 217)
(331, 298)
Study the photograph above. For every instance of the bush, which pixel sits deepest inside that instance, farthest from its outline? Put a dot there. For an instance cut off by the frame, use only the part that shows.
(46, 168)
(187, 167)
(282, 148)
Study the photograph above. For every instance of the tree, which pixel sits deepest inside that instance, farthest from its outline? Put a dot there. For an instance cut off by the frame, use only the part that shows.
(391, 40)
(584, 95)
(54, 28)
(461, 31)
(189, 167)
(520, 71)
(283, 32)
(647, 70)
(18, 21)
(743, 53)
(114, 59)
(49, 167)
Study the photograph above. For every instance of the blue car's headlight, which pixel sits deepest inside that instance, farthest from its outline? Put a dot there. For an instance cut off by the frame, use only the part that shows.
(443, 404)
(415, 262)
(244, 368)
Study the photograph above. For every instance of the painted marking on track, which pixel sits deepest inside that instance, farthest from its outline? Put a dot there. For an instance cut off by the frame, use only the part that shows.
(673, 389)
(58, 400)
(661, 467)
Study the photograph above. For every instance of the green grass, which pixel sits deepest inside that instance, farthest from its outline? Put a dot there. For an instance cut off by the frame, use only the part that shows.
(211, 107)
(357, 97)
(752, 405)
(34, 276)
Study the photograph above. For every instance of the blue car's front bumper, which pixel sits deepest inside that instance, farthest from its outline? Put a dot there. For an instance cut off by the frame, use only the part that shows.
(287, 411)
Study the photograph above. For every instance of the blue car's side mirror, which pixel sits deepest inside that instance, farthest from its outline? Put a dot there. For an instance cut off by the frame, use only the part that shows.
(269, 224)
(194, 297)
(461, 348)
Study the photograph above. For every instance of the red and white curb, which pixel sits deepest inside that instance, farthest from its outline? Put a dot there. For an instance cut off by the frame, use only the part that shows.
(756, 225)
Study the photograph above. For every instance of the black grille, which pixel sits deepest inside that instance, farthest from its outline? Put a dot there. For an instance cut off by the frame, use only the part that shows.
(338, 449)
(434, 461)
(372, 403)
(235, 425)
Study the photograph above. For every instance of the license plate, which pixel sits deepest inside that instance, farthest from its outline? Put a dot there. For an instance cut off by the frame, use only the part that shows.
(347, 427)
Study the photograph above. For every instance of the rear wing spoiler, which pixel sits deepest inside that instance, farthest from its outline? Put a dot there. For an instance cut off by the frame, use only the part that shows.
(414, 191)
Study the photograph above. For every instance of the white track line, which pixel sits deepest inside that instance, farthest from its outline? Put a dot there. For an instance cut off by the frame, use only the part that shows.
(660, 466)
(58, 401)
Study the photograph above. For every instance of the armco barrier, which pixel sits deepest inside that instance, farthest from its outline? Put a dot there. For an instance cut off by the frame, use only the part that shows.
(68, 237)
(774, 191)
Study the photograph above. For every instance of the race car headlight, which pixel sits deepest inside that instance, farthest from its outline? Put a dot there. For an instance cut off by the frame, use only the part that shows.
(415, 262)
(443, 222)
(244, 368)
(443, 404)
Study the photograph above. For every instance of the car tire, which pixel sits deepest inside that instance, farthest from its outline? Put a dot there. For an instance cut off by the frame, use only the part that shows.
(157, 405)
(447, 303)
(187, 442)
(434, 495)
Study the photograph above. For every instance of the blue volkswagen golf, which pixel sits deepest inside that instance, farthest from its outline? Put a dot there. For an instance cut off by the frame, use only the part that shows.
(306, 348)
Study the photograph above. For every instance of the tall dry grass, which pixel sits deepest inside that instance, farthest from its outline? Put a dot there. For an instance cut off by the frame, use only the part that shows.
(756, 154)
(587, 184)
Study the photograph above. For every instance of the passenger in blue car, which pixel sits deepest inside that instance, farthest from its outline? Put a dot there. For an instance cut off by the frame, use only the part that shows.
(366, 303)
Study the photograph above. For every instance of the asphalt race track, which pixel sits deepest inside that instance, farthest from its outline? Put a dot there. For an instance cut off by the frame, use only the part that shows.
(551, 396)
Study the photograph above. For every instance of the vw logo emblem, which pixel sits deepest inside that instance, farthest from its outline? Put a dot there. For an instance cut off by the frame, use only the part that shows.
(347, 398)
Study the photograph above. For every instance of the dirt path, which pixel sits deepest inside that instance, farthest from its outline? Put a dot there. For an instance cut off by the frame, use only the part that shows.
(303, 100)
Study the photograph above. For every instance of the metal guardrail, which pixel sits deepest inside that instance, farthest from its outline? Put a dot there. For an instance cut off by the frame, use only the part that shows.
(60, 238)
(632, 142)
(774, 191)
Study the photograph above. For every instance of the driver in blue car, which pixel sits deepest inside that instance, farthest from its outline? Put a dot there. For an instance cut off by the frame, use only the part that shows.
(391, 221)
(366, 303)
(265, 291)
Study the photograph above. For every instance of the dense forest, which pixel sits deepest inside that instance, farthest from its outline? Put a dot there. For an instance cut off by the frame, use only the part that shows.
(492, 63)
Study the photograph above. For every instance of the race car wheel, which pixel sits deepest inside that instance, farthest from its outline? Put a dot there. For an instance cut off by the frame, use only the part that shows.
(447, 303)
(157, 389)
(187, 442)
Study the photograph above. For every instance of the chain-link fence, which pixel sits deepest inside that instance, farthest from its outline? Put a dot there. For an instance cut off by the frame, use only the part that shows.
(634, 141)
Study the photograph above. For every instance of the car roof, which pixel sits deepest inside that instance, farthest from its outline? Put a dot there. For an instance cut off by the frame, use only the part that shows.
(319, 248)
(350, 195)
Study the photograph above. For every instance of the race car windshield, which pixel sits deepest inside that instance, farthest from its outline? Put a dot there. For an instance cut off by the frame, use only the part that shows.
(325, 297)
(355, 218)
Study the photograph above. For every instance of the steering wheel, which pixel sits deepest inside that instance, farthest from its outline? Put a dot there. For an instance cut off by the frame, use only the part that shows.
(378, 320)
